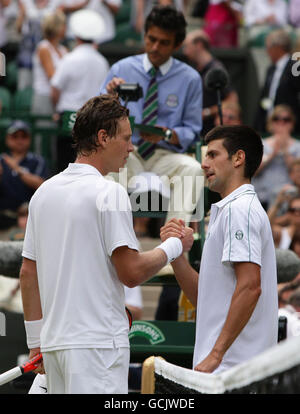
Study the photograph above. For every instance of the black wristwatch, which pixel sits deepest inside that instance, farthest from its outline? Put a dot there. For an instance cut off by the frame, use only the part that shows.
(168, 135)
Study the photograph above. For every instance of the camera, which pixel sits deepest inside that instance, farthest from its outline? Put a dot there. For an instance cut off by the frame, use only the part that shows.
(129, 91)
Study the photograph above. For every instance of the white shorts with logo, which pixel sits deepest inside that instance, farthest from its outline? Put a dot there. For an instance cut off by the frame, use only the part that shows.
(87, 371)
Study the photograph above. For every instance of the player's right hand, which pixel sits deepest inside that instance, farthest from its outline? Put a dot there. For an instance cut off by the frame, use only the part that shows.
(113, 84)
(40, 367)
(177, 228)
(173, 228)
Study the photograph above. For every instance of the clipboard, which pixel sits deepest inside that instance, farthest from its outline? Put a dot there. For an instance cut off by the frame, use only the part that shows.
(150, 129)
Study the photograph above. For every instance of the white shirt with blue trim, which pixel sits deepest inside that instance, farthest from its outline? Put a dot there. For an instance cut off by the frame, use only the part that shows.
(238, 231)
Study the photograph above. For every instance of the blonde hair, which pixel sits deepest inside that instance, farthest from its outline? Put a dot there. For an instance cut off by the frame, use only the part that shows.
(52, 24)
(276, 111)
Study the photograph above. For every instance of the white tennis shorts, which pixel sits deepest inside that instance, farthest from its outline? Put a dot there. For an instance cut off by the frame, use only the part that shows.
(87, 371)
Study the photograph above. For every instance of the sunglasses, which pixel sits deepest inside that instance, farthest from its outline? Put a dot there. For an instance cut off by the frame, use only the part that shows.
(284, 119)
(294, 209)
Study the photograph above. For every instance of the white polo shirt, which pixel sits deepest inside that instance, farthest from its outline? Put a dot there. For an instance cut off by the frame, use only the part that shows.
(79, 76)
(76, 220)
(238, 231)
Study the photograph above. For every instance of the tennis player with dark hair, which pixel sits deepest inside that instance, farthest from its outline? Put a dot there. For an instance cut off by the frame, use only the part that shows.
(79, 252)
(236, 290)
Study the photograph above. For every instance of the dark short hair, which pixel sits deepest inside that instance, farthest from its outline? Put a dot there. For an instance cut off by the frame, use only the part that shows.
(240, 137)
(101, 112)
(169, 19)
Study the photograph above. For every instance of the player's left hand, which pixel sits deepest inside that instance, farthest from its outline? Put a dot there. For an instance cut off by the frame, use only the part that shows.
(209, 364)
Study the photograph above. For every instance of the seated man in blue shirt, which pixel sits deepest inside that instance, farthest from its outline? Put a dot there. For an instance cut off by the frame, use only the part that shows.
(174, 103)
(21, 173)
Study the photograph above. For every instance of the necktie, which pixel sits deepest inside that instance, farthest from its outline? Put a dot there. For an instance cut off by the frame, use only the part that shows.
(146, 149)
(273, 84)
(270, 76)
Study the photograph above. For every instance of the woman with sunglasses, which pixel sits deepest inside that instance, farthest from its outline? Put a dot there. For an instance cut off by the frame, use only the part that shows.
(280, 150)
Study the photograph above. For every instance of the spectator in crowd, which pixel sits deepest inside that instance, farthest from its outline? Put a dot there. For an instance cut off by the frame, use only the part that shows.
(280, 86)
(295, 300)
(294, 13)
(141, 8)
(28, 22)
(280, 150)
(107, 9)
(295, 244)
(12, 301)
(294, 172)
(285, 291)
(265, 12)
(278, 209)
(21, 173)
(197, 48)
(79, 75)
(231, 114)
(288, 279)
(283, 234)
(288, 270)
(46, 58)
(68, 7)
(3, 35)
(221, 22)
(176, 109)
(18, 233)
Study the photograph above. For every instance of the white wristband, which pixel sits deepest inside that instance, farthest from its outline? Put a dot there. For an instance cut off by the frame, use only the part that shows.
(33, 331)
(172, 247)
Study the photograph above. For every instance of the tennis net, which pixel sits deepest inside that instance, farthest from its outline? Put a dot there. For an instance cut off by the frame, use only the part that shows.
(275, 371)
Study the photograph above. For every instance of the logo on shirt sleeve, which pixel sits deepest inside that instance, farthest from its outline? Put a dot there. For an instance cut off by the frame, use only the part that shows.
(239, 234)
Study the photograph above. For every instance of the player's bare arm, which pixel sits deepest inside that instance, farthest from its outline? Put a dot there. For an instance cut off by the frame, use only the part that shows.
(31, 299)
(30, 291)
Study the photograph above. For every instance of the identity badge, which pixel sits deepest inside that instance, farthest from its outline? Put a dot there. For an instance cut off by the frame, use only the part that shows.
(172, 100)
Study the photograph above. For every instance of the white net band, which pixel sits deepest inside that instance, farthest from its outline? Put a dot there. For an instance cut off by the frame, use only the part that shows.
(278, 359)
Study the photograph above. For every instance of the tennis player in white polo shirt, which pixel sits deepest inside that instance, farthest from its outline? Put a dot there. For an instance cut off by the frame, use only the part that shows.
(79, 252)
(236, 290)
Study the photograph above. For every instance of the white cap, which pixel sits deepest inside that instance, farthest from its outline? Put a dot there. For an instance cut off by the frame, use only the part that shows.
(87, 25)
